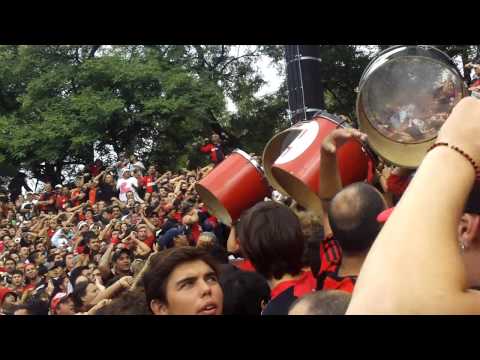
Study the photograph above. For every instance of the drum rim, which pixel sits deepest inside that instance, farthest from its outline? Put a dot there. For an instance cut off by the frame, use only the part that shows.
(447, 62)
(428, 48)
(251, 160)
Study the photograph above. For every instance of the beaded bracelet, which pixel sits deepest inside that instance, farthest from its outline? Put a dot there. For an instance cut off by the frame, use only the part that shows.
(461, 152)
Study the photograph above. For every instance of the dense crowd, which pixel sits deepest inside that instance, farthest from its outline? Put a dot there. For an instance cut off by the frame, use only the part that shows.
(126, 239)
(109, 243)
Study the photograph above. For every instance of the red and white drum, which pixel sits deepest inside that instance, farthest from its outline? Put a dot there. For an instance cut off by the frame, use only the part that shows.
(292, 160)
(236, 184)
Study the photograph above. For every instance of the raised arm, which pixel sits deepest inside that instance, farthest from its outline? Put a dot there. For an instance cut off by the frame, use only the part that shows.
(415, 265)
(104, 263)
(330, 181)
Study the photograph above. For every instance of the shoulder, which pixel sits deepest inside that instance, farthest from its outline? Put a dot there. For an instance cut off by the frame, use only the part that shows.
(280, 304)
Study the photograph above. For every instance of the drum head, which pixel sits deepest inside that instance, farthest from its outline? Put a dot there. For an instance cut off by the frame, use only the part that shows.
(273, 150)
(404, 99)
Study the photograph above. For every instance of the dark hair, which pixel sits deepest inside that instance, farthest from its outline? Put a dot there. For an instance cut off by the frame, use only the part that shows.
(117, 254)
(332, 302)
(17, 272)
(353, 217)
(88, 235)
(161, 266)
(36, 306)
(271, 237)
(21, 307)
(243, 293)
(311, 256)
(34, 255)
(473, 202)
(79, 293)
(218, 252)
(10, 259)
(75, 273)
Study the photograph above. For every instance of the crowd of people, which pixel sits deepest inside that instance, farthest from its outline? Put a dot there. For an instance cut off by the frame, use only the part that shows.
(125, 239)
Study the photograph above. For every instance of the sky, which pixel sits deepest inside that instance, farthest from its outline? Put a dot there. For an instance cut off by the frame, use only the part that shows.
(270, 75)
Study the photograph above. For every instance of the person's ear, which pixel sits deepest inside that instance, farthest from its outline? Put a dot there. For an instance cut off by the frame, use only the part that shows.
(158, 307)
(468, 229)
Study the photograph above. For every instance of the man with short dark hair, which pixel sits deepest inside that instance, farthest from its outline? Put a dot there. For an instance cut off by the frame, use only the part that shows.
(39, 259)
(352, 216)
(332, 302)
(18, 284)
(183, 281)
(10, 266)
(270, 236)
(121, 260)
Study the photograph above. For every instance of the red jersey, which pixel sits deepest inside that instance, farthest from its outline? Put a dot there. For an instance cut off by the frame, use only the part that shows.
(196, 231)
(95, 170)
(60, 201)
(92, 196)
(243, 264)
(397, 184)
(150, 240)
(148, 181)
(330, 255)
(215, 151)
(285, 293)
(332, 281)
(75, 193)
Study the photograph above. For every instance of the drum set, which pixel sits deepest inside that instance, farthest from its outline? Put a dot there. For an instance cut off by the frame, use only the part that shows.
(404, 96)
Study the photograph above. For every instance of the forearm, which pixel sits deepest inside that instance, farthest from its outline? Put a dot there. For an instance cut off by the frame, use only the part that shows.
(148, 223)
(142, 248)
(330, 184)
(104, 263)
(415, 265)
(109, 292)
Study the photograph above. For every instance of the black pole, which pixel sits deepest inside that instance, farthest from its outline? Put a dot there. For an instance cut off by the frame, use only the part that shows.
(305, 88)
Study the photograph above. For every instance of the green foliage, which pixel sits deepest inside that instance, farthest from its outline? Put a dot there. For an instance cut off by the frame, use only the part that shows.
(59, 102)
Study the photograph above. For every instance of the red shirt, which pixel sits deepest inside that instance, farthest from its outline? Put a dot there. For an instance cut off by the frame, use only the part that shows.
(60, 201)
(94, 170)
(148, 181)
(92, 196)
(75, 193)
(47, 197)
(244, 265)
(150, 240)
(330, 255)
(304, 285)
(331, 281)
(196, 231)
(177, 216)
(397, 184)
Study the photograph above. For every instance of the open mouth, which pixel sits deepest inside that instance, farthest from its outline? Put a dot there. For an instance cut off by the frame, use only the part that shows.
(209, 309)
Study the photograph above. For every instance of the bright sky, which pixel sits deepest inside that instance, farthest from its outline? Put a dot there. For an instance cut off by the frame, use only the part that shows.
(270, 75)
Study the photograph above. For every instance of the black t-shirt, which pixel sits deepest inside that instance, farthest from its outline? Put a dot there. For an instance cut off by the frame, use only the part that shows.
(281, 304)
(105, 192)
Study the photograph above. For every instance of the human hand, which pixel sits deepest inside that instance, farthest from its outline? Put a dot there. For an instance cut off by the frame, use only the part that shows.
(126, 281)
(339, 137)
(462, 127)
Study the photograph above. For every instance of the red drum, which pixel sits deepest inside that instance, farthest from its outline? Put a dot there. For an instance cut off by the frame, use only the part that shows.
(292, 161)
(233, 186)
